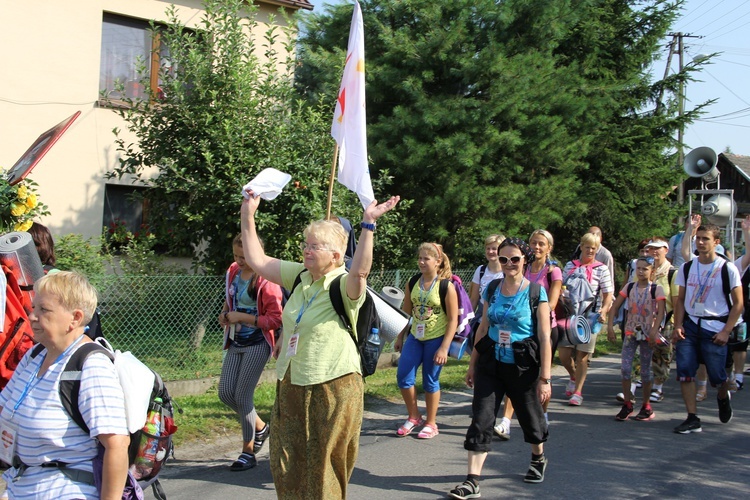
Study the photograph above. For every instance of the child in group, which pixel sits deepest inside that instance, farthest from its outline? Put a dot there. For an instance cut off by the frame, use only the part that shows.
(646, 310)
(251, 314)
(428, 340)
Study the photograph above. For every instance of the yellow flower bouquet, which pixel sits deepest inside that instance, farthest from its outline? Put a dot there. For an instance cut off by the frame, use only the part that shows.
(19, 205)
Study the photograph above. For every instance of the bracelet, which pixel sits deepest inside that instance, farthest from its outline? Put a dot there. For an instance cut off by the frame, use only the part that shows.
(370, 226)
(226, 315)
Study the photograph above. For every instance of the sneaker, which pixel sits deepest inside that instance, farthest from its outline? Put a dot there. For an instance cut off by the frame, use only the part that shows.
(688, 426)
(260, 437)
(467, 489)
(644, 415)
(656, 396)
(725, 409)
(570, 388)
(638, 384)
(732, 386)
(503, 431)
(625, 412)
(621, 397)
(739, 384)
(700, 393)
(535, 474)
(576, 399)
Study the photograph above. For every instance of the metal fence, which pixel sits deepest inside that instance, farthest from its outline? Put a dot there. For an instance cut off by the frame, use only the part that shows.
(171, 322)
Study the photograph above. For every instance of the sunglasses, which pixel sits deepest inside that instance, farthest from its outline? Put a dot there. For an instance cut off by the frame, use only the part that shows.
(647, 260)
(514, 260)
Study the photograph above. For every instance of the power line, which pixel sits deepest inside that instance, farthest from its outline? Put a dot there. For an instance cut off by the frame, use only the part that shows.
(694, 11)
(722, 84)
(718, 19)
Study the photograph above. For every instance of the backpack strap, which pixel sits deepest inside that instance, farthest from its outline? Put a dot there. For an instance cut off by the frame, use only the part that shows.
(334, 293)
(629, 289)
(653, 291)
(413, 281)
(535, 290)
(297, 281)
(724, 287)
(443, 291)
(482, 270)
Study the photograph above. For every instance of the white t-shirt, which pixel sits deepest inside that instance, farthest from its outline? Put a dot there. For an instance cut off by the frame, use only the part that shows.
(486, 279)
(47, 433)
(704, 294)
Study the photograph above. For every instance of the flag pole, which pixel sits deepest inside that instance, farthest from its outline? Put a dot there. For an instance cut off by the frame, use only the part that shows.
(332, 180)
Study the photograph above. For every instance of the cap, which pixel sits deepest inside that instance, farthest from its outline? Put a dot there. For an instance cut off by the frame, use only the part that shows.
(657, 244)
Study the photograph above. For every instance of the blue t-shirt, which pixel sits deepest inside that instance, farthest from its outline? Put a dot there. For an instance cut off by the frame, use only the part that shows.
(245, 334)
(511, 314)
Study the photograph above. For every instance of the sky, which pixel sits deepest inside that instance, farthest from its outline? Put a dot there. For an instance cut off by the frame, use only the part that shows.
(723, 26)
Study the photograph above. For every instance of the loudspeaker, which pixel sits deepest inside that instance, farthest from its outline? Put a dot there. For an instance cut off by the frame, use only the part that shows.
(701, 162)
(719, 209)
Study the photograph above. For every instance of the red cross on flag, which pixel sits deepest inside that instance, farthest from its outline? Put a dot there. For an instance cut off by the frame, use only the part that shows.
(348, 127)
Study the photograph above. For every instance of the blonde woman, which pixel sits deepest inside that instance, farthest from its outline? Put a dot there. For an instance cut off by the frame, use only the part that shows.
(428, 340)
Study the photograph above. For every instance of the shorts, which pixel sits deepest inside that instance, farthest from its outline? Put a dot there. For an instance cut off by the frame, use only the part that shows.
(588, 347)
(697, 347)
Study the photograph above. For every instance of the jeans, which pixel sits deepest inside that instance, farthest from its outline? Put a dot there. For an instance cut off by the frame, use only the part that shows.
(698, 347)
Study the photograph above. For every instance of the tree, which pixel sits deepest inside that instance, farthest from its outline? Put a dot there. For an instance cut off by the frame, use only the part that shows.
(221, 115)
(509, 116)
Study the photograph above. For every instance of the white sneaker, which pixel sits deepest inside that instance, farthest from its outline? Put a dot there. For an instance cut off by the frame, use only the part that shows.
(503, 431)
(570, 388)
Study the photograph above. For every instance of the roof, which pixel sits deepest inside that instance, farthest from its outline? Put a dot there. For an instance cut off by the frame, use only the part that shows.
(741, 162)
(294, 4)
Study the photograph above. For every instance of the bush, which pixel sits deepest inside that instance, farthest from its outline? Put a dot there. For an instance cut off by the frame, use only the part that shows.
(74, 253)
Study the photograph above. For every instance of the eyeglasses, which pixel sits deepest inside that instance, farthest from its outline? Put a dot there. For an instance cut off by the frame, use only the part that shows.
(514, 260)
(315, 247)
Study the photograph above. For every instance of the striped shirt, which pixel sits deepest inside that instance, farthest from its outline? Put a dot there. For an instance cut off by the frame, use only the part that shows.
(46, 432)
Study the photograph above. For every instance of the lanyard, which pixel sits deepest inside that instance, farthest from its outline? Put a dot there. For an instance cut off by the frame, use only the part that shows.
(512, 306)
(640, 303)
(702, 286)
(34, 380)
(423, 297)
(304, 308)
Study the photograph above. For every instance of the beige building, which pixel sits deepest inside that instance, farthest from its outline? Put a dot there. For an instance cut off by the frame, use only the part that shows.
(56, 56)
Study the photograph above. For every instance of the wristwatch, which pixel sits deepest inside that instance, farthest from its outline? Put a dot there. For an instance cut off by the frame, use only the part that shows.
(370, 226)
(547, 381)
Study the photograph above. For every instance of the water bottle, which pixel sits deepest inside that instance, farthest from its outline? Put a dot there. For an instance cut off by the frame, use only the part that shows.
(149, 446)
(742, 332)
(374, 337)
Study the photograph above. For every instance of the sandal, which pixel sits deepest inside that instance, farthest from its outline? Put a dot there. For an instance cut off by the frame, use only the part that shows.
(244, 462)
(260, 438)
(535, 474)
(428, 432)
(465, 490)
(409, 426)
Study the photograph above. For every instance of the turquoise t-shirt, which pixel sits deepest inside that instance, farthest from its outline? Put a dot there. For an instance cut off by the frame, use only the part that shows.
(511, 314)
(245, 334)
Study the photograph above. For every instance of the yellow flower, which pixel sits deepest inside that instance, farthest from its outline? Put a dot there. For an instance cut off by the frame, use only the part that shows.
(22, 191)
(23, 226)
(17, 209)
(31, 201)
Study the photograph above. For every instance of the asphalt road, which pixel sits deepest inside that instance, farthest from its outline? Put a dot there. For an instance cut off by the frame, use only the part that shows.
(591, 455)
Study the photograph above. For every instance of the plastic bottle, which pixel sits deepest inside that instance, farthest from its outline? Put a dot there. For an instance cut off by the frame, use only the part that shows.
(374, 337)
(144, 461)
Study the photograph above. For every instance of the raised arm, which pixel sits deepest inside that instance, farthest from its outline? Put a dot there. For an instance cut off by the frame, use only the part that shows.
(268, 267)
(362, 260)
(691, 226)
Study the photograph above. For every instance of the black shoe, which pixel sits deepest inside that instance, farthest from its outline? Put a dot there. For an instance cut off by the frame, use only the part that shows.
(725, 409)
(688, 426)
(260, 438)
(465, 490)
(244, 462)
(625, 412)
(535, 474)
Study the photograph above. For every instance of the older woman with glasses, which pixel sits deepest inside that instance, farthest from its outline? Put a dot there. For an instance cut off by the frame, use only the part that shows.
(512, 356)
(319, 391)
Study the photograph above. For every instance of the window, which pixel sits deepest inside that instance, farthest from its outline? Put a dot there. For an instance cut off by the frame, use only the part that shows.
(125, 206)
(127, 46)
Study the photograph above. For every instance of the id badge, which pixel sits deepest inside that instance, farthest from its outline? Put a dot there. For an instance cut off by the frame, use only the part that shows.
(291, 348)
(8, 434)
(420, 331)
(699, 309)
(504, 336)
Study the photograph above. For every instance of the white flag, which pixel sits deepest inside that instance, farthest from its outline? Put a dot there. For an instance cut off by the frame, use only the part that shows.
(348, 127)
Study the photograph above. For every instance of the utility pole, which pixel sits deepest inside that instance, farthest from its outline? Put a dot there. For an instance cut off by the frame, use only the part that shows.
(680, 100)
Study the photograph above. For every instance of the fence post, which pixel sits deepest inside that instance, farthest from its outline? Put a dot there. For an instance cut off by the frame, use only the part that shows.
(398, 278)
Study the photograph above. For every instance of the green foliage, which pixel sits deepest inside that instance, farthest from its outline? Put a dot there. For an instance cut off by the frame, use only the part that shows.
(509, 116)
(226, 110)
(74, 253)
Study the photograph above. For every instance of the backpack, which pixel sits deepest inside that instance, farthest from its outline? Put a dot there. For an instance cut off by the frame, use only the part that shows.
(367, 322)
(144, 468)
(16, 337)
(465, 311)
(724, 287)
(579, 298)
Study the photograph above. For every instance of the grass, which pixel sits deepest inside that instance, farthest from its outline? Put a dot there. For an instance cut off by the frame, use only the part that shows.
(205, 417)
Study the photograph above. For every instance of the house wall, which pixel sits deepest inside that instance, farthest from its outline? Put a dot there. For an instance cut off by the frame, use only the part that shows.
(50, 58)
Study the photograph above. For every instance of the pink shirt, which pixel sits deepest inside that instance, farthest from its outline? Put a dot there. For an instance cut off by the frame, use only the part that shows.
(541, 278)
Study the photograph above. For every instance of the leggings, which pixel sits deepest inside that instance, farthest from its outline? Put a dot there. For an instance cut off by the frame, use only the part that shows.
(629, 345)
(239, 376)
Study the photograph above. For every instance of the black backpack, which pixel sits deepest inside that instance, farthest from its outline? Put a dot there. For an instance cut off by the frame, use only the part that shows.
(367, 321)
